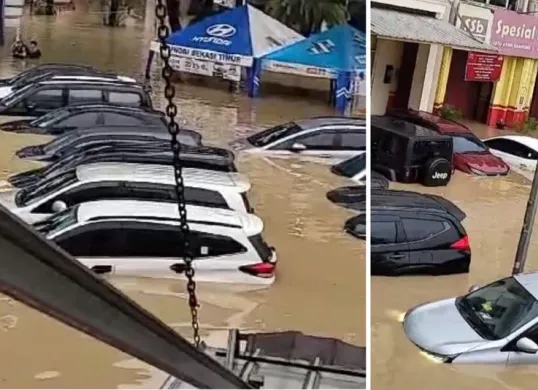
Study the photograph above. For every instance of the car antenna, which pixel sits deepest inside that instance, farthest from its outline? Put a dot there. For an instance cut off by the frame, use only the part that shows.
(161, 12)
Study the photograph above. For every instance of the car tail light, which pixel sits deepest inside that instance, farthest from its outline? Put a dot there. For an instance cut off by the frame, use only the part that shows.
(462, 244)
(261, 270)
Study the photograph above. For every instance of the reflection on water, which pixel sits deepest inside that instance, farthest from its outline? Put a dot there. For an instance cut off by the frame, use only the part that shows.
(495, 209)
(320, 279)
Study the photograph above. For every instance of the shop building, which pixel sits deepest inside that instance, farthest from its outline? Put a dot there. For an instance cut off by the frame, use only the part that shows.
(408, 44)
(505, 88)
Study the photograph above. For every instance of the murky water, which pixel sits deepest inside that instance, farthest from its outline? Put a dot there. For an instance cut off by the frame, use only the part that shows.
(320, 285)
(495, 209)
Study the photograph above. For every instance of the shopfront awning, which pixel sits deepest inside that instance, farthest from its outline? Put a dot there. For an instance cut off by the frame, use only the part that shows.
(402, 26)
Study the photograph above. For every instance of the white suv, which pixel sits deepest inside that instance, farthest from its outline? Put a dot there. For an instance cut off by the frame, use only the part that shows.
(141, 238)
(99, 181)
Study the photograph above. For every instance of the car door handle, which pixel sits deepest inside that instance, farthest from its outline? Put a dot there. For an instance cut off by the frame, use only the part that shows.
(396, 256)
(102, 269)
(178, 268)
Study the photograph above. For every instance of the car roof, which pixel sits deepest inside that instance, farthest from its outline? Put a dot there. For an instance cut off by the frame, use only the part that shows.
(161, 174)
(97, 81)
(163, 211)
(402, 127)
(529, 281)
(412, 213)
(441, 124)
(93, 77)
(328, 121)
(530, 142)
(113, 107)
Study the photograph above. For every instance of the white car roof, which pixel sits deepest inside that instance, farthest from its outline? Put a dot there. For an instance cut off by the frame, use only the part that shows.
(162, 174)
(95, 78)
(162, 211)
(530, 142)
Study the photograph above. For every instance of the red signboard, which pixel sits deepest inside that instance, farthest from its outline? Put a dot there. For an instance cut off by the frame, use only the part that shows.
(483, 67)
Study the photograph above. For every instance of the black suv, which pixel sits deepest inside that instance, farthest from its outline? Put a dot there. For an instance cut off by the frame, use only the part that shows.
(407, 152)
(414, 242)
(83, 116)
(40, 98)
(355, 198)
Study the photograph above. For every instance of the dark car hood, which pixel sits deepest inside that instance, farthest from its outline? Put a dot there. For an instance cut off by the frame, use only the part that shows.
(25, 179)
(16, 125)
(352, 197)
(484, 162)
(30, 151)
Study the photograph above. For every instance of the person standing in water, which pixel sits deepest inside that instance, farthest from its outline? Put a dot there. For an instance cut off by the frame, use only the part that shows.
(19, 49)
(33, 50)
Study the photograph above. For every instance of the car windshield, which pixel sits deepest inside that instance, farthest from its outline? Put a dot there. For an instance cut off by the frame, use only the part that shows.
(58, 221)
(498, 309)
(467, 145)
(43, 188)
(351, 167)
(16, 95)
(46, 119)
(273, 134)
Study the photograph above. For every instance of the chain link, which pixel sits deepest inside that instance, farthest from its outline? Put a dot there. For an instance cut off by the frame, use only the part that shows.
(173, 128)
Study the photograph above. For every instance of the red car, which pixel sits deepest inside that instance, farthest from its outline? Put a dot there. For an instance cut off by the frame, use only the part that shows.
(471, 155)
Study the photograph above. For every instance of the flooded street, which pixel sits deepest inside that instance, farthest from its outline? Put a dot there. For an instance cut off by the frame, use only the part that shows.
(495, 208)
(320, 285)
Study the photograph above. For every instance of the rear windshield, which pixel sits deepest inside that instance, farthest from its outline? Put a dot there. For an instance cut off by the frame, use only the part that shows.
(351, 167)
(273, 134)
(263, 250)
(44, 188)
(467, 145)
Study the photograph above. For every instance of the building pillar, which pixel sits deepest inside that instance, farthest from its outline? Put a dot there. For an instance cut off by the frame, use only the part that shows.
(424, 77)
(513, 92)
(442, 80)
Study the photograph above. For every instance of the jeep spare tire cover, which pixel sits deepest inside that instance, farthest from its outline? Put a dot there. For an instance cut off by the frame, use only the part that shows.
(436, 172)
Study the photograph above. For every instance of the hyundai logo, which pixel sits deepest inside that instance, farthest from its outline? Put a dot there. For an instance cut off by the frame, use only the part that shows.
(221, 30)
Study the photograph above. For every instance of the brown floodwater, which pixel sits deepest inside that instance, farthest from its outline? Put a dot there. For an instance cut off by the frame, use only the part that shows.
(320, 286)
(495, 209)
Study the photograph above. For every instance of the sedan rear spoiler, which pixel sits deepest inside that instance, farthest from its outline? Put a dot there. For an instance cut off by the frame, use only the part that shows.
(41, 275)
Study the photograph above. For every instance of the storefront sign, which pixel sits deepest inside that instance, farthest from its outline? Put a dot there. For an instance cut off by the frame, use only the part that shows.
(298, 69)
(475, 19)
(483, 67)
(515, 34)
(205, 68)
(477, 26)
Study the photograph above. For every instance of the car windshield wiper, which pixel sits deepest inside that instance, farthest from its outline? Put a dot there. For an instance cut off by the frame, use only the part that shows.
(474, 320)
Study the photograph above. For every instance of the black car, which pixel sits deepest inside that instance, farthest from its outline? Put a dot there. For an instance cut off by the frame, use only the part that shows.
(408, 152)
(40, 98)
(78, 141)
(414, 242)
(29, 74)
(354, 198)
(86, 116)
(202, 157)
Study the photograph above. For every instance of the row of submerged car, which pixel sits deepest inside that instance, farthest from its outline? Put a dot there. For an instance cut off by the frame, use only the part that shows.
(107, 192)
(419, 147)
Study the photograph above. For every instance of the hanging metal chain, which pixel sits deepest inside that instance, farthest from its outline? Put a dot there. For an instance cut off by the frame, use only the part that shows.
(173, 128)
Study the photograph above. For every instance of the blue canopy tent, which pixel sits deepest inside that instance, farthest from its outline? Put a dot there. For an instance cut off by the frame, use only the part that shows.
(338, 54)
(230, 39)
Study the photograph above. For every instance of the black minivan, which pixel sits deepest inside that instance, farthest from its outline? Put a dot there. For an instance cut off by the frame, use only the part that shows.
(414, 242)
(407, 152)
(40, 98)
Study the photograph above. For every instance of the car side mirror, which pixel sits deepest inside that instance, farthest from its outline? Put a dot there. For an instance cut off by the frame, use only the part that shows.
(473, 288)
(526, 345)
(59, 205)
(298, 147)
